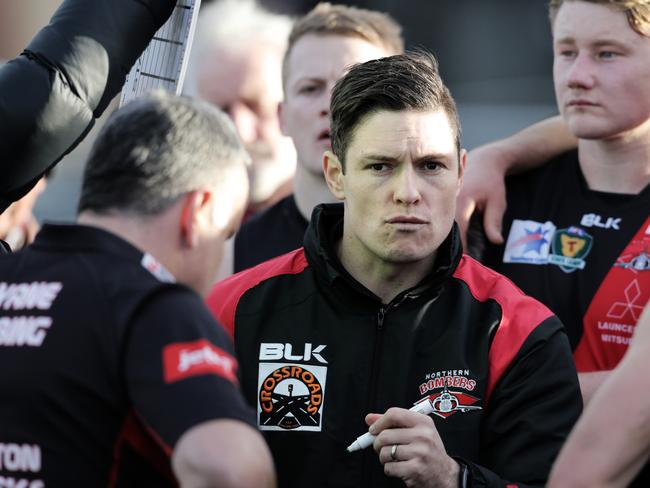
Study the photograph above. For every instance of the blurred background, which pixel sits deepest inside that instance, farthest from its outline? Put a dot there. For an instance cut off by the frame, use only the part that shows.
(495, 56)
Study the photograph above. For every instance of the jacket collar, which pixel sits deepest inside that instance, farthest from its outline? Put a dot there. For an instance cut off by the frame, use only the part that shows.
(72, 237)
(326, 229)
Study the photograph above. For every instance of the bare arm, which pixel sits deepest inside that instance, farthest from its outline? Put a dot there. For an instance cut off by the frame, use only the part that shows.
(223, 453)
(609, 444)
(483, 186)
(589, 384)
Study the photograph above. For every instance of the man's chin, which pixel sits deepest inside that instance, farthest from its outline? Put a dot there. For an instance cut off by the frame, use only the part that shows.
(404, 257)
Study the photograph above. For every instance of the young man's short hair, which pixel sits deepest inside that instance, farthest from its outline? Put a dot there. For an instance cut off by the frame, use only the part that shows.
(407, 81)
(341, 20)
(156, 149)
(636, 11)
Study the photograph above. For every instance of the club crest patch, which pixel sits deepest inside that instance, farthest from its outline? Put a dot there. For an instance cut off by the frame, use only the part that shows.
(448, 393)
(529, 242)
(569, 248)
(291, 395)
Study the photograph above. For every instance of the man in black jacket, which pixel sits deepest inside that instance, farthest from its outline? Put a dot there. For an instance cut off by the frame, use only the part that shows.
(380, 310)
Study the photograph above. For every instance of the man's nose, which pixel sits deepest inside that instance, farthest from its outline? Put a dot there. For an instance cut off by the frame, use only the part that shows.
(580, 73)
(406, 186)
(324, 104)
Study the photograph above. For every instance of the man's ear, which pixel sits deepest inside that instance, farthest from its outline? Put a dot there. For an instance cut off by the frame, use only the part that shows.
(462, 164)
(333, 171)
(196, 213)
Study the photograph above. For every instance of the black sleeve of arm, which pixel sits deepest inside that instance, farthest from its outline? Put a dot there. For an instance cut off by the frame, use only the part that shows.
(531, 412)
(52, 93)
(180, 367)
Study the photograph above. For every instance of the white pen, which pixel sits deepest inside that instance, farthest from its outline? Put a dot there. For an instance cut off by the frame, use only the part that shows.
(424, 406)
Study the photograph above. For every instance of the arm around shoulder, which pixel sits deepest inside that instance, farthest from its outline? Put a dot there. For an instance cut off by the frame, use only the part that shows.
(223, 453)
(483, 186)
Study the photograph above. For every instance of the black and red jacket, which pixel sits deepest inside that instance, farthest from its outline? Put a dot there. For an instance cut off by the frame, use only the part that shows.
(318, 351)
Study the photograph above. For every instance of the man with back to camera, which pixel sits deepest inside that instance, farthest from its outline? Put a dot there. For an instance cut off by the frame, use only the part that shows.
(583, 249)
(236, 64)
(322, 46)
(380, 310)
(119, 375)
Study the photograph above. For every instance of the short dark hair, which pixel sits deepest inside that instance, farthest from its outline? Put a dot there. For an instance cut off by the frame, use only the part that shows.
(156, 149)
(407, 81)
(326, 19)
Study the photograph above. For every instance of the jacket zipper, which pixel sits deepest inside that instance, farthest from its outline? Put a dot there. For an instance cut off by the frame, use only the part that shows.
(372, 394)
(374, 373)
(376, 354)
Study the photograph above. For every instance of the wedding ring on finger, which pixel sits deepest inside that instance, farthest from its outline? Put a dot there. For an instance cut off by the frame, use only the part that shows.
(393, 452)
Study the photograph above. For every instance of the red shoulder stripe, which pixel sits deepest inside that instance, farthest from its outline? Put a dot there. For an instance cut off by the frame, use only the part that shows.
(521, 314)
(225, 295)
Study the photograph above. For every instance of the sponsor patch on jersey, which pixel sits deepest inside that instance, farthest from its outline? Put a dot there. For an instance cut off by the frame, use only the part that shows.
(185, 359)
(447, 392)
(291, 393)
(569, 248)
(634, 262)
(529, 242)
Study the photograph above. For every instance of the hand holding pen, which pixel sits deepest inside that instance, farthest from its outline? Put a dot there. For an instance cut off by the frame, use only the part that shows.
(424, 406)
(409, 446)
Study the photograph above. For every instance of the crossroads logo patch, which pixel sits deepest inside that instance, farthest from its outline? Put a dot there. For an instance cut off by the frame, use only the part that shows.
(569, 248)
(290, 394)
(451, 399)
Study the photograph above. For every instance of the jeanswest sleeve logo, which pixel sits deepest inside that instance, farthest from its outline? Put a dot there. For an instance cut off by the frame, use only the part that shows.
(22, 329)
(291, 390)
(185, 359)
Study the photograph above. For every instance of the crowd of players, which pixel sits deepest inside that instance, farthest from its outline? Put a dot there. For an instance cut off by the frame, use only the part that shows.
(352, 300)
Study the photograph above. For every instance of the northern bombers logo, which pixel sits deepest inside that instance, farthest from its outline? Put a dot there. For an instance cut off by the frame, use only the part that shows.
(451, 399)
(291, 395)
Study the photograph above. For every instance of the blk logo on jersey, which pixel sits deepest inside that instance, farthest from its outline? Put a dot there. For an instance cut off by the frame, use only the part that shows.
(595, 220)
(291, 395)
(448, 397)
(569, 248)
(528, 242)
